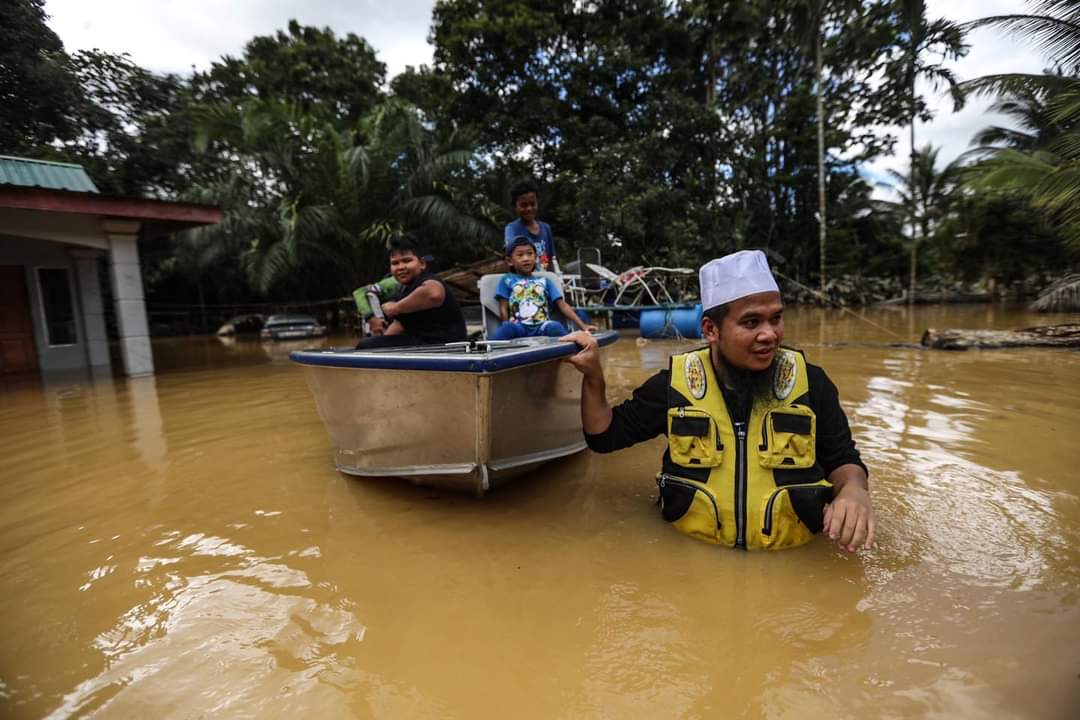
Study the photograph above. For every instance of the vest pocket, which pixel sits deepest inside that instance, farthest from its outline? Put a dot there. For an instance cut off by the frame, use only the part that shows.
(690, 506)
(788, 438)
(693, 440)
(791, 515)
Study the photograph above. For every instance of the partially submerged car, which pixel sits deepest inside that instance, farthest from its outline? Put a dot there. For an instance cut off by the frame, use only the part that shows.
(290, 327)
(242, 325)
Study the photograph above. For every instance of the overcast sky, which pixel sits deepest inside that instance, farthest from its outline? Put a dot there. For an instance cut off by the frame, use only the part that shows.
(176, 35)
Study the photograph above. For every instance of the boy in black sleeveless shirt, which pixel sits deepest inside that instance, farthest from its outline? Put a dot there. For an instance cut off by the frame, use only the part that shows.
(426, 313)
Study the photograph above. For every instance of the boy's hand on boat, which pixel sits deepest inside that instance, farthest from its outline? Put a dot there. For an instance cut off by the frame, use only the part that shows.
(587, 360)
(376, 326)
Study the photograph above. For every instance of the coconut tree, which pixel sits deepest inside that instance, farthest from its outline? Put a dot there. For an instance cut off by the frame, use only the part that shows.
(927, 194)
(1044, 168)
(926, 46)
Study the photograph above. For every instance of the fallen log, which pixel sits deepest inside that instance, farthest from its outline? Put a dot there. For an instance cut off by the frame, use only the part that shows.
(943, 297)
(1067, 335)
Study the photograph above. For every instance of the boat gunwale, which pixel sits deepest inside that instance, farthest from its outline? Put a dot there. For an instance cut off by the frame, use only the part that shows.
(467, 363)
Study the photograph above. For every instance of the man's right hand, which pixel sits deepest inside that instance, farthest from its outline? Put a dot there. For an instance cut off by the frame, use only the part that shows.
(595, 412)
(376, 326)
(587, 360)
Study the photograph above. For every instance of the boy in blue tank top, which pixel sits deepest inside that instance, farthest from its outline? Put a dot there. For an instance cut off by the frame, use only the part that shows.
(525, 299)
(523, 197)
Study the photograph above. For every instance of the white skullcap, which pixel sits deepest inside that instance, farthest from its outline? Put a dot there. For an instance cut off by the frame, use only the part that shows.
(735, 276)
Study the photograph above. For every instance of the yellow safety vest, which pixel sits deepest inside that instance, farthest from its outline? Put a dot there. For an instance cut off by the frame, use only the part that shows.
(755, 485)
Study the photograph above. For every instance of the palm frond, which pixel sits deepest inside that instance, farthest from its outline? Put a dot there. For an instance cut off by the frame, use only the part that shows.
(438, 166)
(438, 211)
(266, 266)
(1059, 190)
(899, 177)
(1008, 169)
(1065, 9)
(214, 122)
(1062, 296)
(380, 231)
(939, 77)
(356, 165)
(996, 135)
(310, 223)
(1064, 109)
(1016, 84)
(1066, 146)
(1058, 37)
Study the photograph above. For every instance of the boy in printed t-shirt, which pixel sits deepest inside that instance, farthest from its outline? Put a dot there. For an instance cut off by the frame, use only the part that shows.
(525, 299)
(526, 205)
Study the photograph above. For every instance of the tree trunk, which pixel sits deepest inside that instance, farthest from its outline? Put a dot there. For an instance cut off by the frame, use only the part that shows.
(1042, 336)
(912, 190)
(821, 160)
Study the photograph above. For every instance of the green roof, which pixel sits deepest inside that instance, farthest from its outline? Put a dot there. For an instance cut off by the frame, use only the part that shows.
(44, 174)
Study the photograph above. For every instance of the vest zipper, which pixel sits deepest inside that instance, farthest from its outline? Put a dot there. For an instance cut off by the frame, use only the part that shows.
(740, 485)
(665, 479)
(766, 528)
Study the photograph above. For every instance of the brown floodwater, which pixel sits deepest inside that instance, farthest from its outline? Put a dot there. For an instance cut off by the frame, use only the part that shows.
(182, 546)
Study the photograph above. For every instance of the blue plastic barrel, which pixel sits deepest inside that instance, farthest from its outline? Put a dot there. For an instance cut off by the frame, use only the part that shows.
(660, 323)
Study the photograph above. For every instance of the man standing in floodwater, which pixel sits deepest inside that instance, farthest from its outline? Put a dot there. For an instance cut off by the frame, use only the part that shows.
(760, 455)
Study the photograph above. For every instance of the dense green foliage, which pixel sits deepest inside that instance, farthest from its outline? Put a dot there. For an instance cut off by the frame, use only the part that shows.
(312, 207)
(694, 137)
(661, 132)
(37, 91)
(1042, 161)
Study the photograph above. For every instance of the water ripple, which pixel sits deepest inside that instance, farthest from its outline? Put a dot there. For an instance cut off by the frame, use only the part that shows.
(253, 622)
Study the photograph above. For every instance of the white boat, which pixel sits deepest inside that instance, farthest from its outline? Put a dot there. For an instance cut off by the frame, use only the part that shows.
(466, 416)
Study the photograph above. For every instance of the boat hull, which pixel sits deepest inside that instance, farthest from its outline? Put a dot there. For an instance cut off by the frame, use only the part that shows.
(466, 431)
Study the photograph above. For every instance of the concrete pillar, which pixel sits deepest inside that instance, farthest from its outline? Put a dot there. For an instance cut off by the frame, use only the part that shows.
(128, 299)
(93, 309)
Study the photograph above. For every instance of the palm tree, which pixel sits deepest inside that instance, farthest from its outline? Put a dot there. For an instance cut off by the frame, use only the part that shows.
(1043, 167)
(927, 195)
(1054, 27)
(312, 206)
(922, 37)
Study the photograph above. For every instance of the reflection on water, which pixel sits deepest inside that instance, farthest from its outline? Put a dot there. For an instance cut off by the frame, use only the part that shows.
(182, 546)
(248, 615)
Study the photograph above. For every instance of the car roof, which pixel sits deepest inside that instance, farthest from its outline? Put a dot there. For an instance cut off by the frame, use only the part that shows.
(292, 318)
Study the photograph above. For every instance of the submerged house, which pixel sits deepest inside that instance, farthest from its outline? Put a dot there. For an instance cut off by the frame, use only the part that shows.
(56, 231)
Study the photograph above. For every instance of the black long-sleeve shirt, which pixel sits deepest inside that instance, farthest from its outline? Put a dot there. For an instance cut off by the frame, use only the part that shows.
(644, 416)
